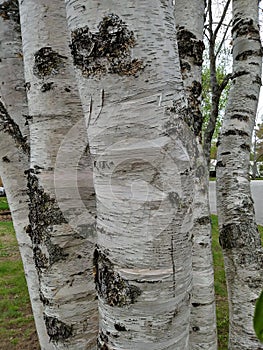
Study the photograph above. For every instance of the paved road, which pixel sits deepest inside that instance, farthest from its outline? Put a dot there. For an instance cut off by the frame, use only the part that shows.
(257, 194)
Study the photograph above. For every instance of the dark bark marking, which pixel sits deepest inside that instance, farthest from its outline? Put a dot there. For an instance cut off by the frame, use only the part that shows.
(47, 62)
(102, 341)
(245, 27)
(174, 198)
(220, 164)
(240, 117)
(57, 330)
(248, 53)
(43, 214)
(236, 133)
(236, 235)
(189, 46)
(5, 159)
(106, 51)
(196, 304)
(245, 147)
(252, 97)
(9, 10)
(204, 220)
(47, 87)
(41, 261)
(120, 327)
(110, 286)
(8, 125)
(43, 299)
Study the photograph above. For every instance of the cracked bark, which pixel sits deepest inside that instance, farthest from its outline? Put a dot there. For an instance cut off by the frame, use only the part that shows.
(203, 334)
(143, 178)
(60, 188)
(239, 235)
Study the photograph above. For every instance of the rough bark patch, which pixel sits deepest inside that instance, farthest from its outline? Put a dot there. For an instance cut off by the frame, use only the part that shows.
(9, 10)
(57, 330)
(8, 125)
(106, 51)
(237, 235)
(43, 214)
(110, 286)
(47, 62)
(189, 46)
(245, 27)
(102, 341)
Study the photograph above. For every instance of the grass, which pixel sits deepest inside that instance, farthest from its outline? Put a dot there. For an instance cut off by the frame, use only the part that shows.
(17, 330)
(3, 203)
(220, 288)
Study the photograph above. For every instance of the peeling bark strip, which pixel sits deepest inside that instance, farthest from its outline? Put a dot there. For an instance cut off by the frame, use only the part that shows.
(110, 285)
(8, 125)
(9, 10)
(57, 330)
(47, 62)
(107, 51)
(43, 214)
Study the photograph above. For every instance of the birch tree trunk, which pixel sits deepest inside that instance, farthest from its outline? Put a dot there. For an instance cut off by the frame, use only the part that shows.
(129, 78)
(239, 236)
(14, 149)
(63, 243)
(190, 24)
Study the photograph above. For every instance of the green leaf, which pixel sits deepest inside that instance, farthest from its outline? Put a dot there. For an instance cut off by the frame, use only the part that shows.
(258, 318)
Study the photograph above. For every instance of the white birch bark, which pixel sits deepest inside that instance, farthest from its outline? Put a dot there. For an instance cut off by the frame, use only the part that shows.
(129, 79)
(14, 149)
(239, 236)
(190, 25)
(63, 243)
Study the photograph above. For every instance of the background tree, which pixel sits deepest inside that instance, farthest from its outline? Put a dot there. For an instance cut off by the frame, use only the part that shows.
(216, 33)
(190, 28)
(239, 236)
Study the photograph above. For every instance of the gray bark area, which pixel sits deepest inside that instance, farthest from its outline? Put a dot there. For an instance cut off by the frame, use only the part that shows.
(129, 78)
(239, 236)
(60, 193)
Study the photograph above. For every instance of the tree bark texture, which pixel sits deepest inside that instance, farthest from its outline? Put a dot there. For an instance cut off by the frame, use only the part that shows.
(203, 333)
(14, 149)
(239, 236)
(59, 192)
(129, 77)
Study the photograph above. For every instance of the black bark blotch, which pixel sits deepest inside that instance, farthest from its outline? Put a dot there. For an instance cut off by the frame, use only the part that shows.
(114, 289)
(105, 51)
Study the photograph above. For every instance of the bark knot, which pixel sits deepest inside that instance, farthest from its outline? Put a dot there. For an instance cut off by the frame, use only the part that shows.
(105, 51)
(47, 62)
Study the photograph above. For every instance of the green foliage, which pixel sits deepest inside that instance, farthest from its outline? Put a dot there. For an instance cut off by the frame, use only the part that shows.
(258, 318)
(16, 320)
(220, 288)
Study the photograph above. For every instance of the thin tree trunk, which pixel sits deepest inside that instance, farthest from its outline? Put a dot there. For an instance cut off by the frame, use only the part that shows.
(130, 83)
(239, 236)
(63, 243)
(14, 150)
(203, 333)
